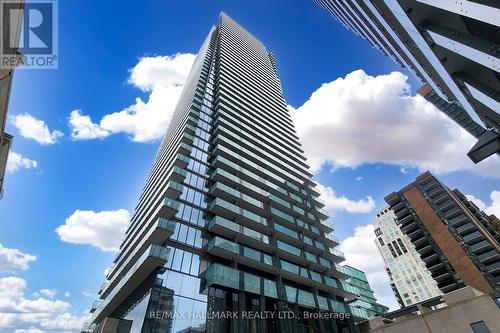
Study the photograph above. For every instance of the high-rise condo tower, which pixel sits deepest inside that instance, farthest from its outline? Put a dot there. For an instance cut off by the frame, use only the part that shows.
(229, 220)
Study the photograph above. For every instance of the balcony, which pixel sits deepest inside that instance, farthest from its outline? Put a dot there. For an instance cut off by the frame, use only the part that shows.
(233, 195)
(230, 229)
(232, 251)
(241, 216)
(447, 205)
(482, 246)
(95, 305)
(474, 237)
(220, 275)
(415, 234)
(454, 212)
(154, 257)
(178, 174)
(435, 192)
(337, 306)
(188, 140)
(439, 200)
(336, 255)
(157, 234)
(185, 149)
(181, 161)
(291, 253)
(459, 220)
(494, 268)
(335, 239)
(173, 189)
(489, 257)
(418, 242)
(429, 186)
(318, 200)
(398, 206)
(442, 276)
(466, 229)
(169, 208)
(358, 314)
(425, 250)
(408, 228)
(430, 258)
(402, 213)
(406, 219)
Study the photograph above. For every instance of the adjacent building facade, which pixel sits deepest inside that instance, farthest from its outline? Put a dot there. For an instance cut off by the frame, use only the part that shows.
(366, 306)
(6, 77)
(410, 279)
(458, 242)
(229, 220)
(466, 310)
(454, 46)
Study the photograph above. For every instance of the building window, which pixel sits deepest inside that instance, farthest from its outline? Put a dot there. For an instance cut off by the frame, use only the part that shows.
(392, 250)
(396, 247)
(400, 242)
(381, 241)
(378, 232)
(479, 327)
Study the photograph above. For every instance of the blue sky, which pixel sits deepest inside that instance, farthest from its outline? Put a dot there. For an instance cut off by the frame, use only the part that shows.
(100, 42)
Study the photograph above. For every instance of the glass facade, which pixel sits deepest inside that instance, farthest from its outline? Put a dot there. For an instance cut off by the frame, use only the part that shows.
(230, 213)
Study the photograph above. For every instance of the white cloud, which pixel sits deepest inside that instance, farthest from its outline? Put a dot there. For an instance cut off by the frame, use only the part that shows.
(32, 128)
(104, 230)
(160, 76)
(82, 127)
(28, 330)
(67, 294)
(493, 208)
(335, 203)
(13, 260)
(17, 161)
(359, 178)
(49, 293)
(362, 253)
(403, 170)
(32, 315)
(87, 293)
(364, 119)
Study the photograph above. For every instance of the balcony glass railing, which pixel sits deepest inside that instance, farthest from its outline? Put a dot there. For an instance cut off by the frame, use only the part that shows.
(225, 223)
(358, 313)
(284, 230)
(183, 158)
(161, 223)
(337, 253)
(237, 194)
(223, 275)
(175, 186)
(179, 171)
(251, 283)
(289, 248)
(154, 251)
(323, 303)
(325, 262)
(270, 288)
(223, 244)
(337, 306)
(218, 274)
(171, 203)
(299, 296)
(237, 210)
(252, 254)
